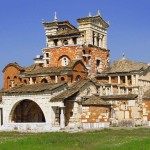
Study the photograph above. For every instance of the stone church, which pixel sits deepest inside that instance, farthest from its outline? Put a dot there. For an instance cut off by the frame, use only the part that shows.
(72, 85)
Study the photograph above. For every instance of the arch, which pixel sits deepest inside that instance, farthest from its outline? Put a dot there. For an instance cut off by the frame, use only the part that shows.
(26, 111)
(84, 52)
(65, 42)
(78, 77)
(15, 80)
(44, 80)
(64, 60)
(62, 79)
(25, 81)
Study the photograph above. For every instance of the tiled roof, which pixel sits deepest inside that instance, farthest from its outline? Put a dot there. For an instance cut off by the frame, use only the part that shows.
(16, 66)
(32, 68)
(45, 70)
(125, 65)
(59, 24)
(120, 97)
(90, 18)
(73, 89)
(95, 100)
(146, 95)
(34, 88)
(65, 33)
(37, 70)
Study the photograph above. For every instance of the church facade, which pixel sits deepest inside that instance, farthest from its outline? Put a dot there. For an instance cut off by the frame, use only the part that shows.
(73, 86)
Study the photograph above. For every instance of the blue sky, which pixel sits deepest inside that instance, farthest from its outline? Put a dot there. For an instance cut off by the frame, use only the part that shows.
(22, 35)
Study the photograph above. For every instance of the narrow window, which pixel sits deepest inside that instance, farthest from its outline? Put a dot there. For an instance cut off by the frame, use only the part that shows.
(65, 42)
(62, 79)
(56, 42)
(47, 61)
(74, 40)
(64, 61)
(47, 54)
(97, 63)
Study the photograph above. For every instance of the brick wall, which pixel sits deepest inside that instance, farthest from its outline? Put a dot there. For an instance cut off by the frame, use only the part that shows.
(146, 109)
(87, 54)
(95, 114)
(11, 74)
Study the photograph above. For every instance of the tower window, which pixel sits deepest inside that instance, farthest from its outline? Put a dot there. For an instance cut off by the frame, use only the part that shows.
(84, 52)
(47, 54)
(62, 79)
(65, 61)
(65, 42)
(56, 42)
(47, 61)
(97, 63)
(74, 40)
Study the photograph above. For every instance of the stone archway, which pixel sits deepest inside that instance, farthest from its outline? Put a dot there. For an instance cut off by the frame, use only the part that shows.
(27, 111)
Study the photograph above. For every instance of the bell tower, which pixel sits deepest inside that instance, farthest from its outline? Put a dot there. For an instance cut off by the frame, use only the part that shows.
(95, 29)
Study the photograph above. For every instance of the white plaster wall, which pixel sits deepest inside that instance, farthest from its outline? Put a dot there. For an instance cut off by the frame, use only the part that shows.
(43, 101)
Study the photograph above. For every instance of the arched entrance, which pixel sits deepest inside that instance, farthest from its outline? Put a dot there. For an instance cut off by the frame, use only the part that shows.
(27, 111)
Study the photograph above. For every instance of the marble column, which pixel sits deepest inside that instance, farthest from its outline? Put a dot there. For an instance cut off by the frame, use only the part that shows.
(109, 79)
(56, 79)
(118, 79)
(62, 118)
(31, 81)
(118, 90)
(126, 80)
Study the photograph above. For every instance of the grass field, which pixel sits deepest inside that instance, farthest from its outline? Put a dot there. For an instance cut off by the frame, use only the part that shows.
(135, 139)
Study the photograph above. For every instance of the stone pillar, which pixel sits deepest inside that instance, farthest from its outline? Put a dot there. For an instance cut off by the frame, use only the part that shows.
(56, 79)
(31, 81)
(111, 89)
(95, 39)
(118, 90)
(62, 118)
(132, 80)
(110, 79)
(126, 80)
(127, 91)
(100, 41)
(137, 80)
(103, 42)
(12, 83)
(118, 79)
(45, 64)
(101, 90)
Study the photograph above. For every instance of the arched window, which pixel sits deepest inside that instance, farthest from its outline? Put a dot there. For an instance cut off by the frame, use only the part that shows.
(56, 42)
(78, 77)
(25, 81)
(65, 42)
(65, 61)
(84, 52)
(15, 79)
(62, 79)
(44, 81)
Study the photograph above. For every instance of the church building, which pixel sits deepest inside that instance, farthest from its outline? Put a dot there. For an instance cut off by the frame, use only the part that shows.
(72, 86)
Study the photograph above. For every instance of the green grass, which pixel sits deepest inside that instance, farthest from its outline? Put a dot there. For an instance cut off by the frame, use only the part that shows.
(135, 139)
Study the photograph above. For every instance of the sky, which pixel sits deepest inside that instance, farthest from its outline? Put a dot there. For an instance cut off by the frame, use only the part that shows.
(22, 34)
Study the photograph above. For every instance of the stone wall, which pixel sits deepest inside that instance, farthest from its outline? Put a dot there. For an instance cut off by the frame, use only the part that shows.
(92, 116)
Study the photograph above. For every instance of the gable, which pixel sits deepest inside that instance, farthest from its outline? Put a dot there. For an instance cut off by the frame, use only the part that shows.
(88, 89)
(79, 66)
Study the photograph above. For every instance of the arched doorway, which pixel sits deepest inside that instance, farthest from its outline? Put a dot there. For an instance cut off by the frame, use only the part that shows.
(27, 111)
(44, 80)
